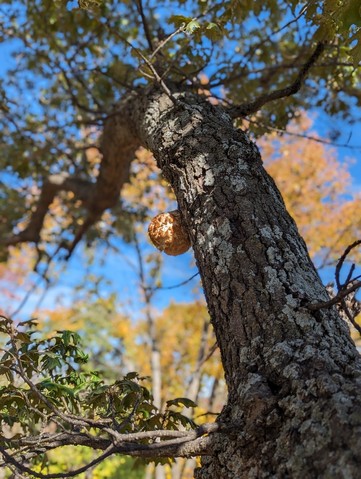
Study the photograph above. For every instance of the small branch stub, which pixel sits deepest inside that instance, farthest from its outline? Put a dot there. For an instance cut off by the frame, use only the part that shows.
(168, 234)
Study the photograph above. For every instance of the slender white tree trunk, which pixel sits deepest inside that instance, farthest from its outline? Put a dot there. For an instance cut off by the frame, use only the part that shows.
(192, 392)
(155, 357)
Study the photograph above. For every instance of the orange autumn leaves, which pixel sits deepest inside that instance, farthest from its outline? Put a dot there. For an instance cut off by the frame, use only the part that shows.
(316, 188)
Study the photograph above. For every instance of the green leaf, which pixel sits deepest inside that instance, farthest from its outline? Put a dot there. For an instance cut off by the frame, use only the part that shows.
(192, 26)
(81, 357)
(50, 362)
(214, 32)
(23, 337)
(52, 386)
(181, 402)
(351, 14)
(178, 20)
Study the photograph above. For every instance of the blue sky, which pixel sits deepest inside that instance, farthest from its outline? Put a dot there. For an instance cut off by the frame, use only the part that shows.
(118, 277)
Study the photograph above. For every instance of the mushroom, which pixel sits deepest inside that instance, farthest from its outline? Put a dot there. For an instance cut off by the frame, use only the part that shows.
(168, 234)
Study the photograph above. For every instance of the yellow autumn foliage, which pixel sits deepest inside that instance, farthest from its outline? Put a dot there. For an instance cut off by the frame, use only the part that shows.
(316, 188)
(178, 333)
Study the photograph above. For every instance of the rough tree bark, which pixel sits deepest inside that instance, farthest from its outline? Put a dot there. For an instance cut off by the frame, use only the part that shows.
(293, 374)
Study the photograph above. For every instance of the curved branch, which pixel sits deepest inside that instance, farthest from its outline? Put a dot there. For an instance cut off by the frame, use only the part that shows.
(336, 299)
(118, 146)
(82, 190)
(255, 105)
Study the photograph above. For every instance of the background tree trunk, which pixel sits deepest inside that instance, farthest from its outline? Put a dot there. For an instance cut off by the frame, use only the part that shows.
(155, 355)
(182, 465)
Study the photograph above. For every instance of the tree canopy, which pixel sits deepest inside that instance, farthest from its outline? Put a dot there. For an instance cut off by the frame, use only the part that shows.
(68, 74)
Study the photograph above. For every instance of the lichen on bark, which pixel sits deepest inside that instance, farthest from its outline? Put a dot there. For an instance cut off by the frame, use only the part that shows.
(293, 374)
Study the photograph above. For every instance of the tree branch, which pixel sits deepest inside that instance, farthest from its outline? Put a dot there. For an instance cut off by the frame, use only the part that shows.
(252, 107)
(183, 444)
(82, 189)
(186, 281)
(145, 24)
(349, 307)
(306, 137)
(336, 299)
(118, 146)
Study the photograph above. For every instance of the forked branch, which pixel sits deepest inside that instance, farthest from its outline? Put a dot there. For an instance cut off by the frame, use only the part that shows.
(83, 190)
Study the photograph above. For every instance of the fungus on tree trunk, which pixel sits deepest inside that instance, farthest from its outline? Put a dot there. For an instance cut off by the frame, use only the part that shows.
(168, 234)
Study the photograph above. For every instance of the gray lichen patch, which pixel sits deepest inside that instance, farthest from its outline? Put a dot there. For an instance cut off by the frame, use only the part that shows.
(273, 283)
(208, 178)
(239, 184)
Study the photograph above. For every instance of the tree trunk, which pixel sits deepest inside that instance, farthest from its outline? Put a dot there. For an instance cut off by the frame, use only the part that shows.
(155, 357)
(192, 392)
(293, 375)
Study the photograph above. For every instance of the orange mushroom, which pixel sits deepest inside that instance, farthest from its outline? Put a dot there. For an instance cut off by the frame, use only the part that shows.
(168, 234)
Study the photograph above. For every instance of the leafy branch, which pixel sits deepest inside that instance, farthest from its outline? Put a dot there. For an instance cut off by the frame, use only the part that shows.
(46, 393)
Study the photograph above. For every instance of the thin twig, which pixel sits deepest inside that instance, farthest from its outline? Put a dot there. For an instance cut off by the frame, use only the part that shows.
(306, 137)
(166, 40)
(250, 54)
(344, 289)
(59, 475)
(42, 277)
(174, 285)
(350, 316)
(210, 353)
(149, 64)
(145, 24)
(245, 109)
(274, 68)
(341, 262)
(88, 223)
